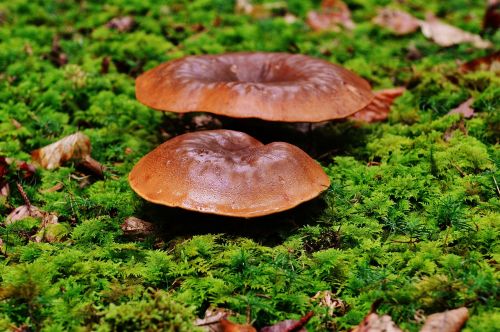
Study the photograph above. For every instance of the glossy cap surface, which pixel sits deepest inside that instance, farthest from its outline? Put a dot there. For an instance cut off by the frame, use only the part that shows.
(228, 173)
(270, 86)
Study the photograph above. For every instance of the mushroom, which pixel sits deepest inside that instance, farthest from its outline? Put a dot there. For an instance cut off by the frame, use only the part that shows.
(270, 86)
(228, 173)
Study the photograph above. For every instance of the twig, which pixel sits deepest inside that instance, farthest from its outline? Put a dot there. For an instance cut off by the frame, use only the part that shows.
(25, 197)
(496, 184)
(300, 323)
(92, 166)
(459, 169)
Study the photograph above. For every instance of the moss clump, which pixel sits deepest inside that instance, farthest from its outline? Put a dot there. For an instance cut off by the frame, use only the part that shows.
(410, 221)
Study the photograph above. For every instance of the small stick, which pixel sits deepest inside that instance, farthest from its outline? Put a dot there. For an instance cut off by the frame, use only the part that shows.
(92, 166)
(496, 184)
(300, 323)
(25, 197)
(459, 169)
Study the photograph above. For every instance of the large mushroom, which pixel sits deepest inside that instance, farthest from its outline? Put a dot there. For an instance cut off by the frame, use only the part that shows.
(269, 86)
(228, 173)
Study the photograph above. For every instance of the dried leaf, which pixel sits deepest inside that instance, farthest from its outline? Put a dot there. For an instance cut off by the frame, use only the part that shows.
(2, 247)
(380, 106)
(72, 147)
(448, 321)
(50, 230)
(227, 326)
(211, 321)
(460, 125)
(122, 23)
(464, 108)
(446, 35)
(375, 323)
(489, 62)
(56, 55)
(137, 227)
(22, 212)
(399, 22)
(258, 11)
(289, 325)
(331, 14)
(491, 19)
(326, 299)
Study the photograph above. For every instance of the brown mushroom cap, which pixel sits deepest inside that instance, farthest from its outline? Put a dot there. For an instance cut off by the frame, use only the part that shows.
(270, 86)
(228, 173)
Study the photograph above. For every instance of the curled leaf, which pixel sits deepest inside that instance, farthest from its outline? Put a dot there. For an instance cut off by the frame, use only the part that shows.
(326, 299)
(331, 14)
(464, 108)
(122, 23)
(448, 321)
(491, 19)
(447, 35)
(399, 22)
(375, 323)
(72, 147)
(22, 212)
(289, 325)
(490, 62)
(135, 226)
(380, 106)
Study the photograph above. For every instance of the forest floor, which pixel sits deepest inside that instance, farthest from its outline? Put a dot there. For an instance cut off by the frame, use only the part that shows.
(410, 222)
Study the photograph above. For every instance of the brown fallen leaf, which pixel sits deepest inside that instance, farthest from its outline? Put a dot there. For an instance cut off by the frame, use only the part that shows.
(464, 108)
(121, 24)
(227, 326)
(375, 323)
(460, 125)
(326, 299)
(56, 55)
(490, 62)
(289, 325)
(447, 35)
(137, 227)
(22, 212)
(491, 19)
(331, 14)
(75, 147)
(380, 106)
(211, 321)
(399, 22)
(448, 321)
(72, 147)
(258, 11)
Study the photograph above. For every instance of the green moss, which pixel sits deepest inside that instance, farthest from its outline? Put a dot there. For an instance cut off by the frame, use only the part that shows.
(410, 220)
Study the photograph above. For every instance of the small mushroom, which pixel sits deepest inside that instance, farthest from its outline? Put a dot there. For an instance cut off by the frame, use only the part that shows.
(270, 86)
(228, 173)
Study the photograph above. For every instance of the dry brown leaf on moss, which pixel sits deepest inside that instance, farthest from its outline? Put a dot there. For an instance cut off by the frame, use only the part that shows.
(490, 62)
(134, 226)
(464, 108)
(259, 11)
(289, 325)
(375, 323)
(75, 147)
(398, 21)
(215, 321)
(379, 108)
(448, 321)
(491, 19)
(326, 299)
(72, 147)
(446, 35)
(121, 24)
(331, 14)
